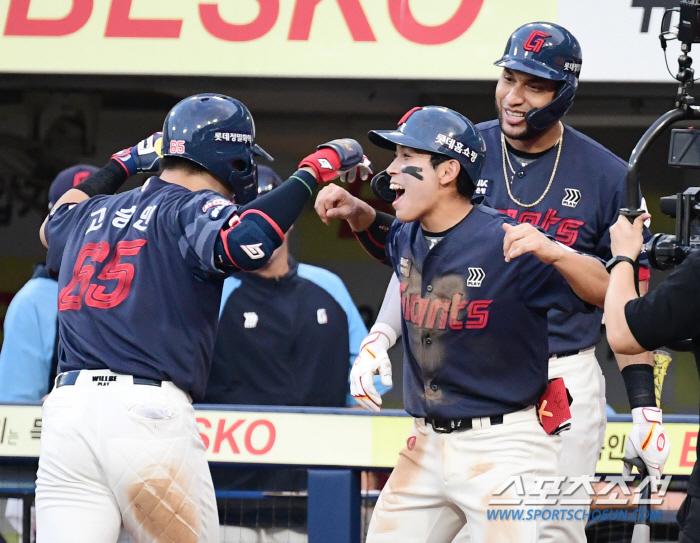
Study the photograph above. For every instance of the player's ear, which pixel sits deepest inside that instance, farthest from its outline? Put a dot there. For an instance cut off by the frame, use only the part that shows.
(448, 171)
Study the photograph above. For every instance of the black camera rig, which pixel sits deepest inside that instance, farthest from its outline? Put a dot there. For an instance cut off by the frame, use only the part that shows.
(666, 251)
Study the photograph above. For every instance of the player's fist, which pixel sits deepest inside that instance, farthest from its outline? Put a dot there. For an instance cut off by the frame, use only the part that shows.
(525, 238)
(142, 158)
(362, 171)
(334, 202)
(648, 441)
(333, 158)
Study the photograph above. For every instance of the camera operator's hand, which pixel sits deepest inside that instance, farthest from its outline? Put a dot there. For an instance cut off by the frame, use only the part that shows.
(626, 238)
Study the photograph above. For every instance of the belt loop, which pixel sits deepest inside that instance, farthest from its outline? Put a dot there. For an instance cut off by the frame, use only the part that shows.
(481, 425)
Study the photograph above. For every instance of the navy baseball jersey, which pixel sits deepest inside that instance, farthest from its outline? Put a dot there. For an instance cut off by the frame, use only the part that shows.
(118, 258)
(578, 209)
(474, 326)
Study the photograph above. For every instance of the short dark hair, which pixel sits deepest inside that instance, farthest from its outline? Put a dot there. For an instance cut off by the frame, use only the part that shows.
(181, 164)
(465, 185)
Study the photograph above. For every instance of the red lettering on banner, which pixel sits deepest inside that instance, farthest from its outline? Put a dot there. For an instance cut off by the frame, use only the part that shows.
(19, 24)
(217, 27)
(412, 30)
(688, 449)
(270, 437)
(120, 25)
(352, 12)
(205, 438)
(227, 435)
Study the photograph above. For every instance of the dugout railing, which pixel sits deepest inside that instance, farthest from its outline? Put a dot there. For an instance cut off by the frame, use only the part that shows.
(334, 445)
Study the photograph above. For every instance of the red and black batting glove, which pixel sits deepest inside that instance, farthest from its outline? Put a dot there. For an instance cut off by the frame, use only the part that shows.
(334, 157)
(142, 158)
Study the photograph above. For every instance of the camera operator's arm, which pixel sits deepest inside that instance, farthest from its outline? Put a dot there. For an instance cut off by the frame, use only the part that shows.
(647, 438)
(626, 241)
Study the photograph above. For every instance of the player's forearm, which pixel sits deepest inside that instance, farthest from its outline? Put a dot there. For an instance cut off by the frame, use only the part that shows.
(647, 357)
(620, 291)
(362, 217)
(586, 276)
(390, 311)
(284, 204)
(373, 237)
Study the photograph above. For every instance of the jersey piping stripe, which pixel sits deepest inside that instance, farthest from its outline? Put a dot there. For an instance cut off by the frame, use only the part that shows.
(366, 251)
(267, 218)
(375, 241)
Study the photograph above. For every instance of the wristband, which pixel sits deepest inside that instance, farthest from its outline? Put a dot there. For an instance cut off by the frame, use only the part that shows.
(639, 382)
(105, 181)
(610, 264)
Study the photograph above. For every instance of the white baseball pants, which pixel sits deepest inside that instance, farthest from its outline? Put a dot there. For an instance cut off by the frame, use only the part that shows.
(122, 453)
(582, 443)
(442, 481)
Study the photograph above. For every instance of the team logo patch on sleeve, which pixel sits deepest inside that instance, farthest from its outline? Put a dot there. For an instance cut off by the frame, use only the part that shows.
(571, 198)
(216, 202)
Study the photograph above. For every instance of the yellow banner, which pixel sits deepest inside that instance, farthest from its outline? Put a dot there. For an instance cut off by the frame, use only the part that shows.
(445, 39)
(259, 437)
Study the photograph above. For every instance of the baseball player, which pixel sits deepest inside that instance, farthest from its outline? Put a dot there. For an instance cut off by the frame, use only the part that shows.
(139, 288)
(474, 332)
(28, 358)
(542, 172)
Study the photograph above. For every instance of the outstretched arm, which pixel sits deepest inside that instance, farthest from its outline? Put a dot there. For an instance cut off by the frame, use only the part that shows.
(585, 274)
(371, 227)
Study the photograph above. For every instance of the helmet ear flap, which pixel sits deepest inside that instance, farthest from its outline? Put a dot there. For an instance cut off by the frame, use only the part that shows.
(244, 182)
(380, 187)
(539, 119)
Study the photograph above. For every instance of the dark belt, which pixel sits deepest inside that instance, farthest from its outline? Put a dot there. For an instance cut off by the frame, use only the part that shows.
(68, 378)
(447, 426)
(564, 353)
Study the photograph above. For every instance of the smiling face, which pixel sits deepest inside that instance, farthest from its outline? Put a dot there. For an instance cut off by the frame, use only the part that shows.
(516, 94)
(418, 199)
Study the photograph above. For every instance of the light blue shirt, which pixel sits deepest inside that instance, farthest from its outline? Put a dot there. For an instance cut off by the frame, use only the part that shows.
(332, 284)
(30, 334)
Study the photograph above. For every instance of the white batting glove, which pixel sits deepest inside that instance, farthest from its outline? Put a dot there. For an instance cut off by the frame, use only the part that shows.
(363, 170)
(647, 441)
(372, 360)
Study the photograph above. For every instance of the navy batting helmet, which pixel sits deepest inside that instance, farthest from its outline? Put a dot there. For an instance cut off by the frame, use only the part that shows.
(267, 180)
(551, 52)
(437, 130)
(218, 133)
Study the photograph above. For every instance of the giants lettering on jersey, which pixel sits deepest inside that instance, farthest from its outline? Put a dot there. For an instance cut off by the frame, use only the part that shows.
(565, 231)
(457, 312)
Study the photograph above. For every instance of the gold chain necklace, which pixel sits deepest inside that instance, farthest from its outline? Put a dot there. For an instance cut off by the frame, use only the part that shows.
(506, 159)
